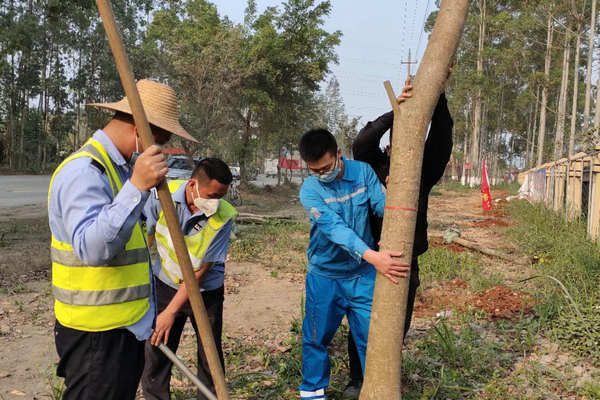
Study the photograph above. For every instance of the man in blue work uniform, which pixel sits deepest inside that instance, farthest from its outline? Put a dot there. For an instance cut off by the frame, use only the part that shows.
(341, 261)
(100, 263)
(206, 221)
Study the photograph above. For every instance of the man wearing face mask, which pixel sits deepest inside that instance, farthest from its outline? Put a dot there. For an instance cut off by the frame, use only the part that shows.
(341, 261)
(206, 220)
(101, 275)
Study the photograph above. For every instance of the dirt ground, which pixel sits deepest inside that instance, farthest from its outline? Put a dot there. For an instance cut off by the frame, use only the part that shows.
(259, 305)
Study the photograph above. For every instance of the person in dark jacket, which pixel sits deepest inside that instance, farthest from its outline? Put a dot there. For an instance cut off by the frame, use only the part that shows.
(438, 148)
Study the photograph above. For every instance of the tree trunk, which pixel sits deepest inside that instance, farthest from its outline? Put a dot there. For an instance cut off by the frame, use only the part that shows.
(530, 117)
(533, 136)
(463, 179)
(245, 143)
(474, 158)
(575, 93)
(384, 351)
(542, 133)
(588, 75)
(562, 101)
(22, 162)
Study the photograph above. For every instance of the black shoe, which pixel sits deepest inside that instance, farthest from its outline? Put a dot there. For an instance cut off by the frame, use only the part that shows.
(352, 390)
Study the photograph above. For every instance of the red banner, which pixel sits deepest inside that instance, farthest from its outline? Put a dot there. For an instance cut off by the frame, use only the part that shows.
(286, 163)
(486, 199)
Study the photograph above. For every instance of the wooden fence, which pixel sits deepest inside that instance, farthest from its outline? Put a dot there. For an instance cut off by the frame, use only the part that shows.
(570, 186)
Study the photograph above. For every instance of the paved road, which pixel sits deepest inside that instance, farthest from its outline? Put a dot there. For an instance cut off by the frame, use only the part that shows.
(23, 190)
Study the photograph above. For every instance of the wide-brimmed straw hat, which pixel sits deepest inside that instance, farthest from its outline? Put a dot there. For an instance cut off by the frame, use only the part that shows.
(160, 105)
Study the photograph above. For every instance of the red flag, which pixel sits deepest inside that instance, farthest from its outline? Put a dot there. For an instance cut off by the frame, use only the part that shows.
(486, 200)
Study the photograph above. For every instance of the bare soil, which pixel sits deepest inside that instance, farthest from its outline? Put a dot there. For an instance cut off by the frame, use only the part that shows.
(260, 304)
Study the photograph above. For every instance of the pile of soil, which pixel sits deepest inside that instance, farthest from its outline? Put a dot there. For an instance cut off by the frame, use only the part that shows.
(497, 302)
(501, 302)
(447, 296)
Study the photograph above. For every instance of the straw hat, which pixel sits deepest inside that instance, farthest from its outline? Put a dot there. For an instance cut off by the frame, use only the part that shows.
(160, 105)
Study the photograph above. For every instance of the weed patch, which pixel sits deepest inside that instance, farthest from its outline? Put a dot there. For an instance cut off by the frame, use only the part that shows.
(279, 245)
(565, 254)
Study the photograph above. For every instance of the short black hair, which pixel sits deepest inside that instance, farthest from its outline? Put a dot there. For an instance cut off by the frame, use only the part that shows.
(213, 168)
(315, 143)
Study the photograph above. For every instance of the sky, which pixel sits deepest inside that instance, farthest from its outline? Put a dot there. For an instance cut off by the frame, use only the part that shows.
(377, 35)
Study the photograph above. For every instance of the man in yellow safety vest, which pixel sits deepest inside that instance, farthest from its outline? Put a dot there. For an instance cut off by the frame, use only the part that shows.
(101, 276)
(206, 221)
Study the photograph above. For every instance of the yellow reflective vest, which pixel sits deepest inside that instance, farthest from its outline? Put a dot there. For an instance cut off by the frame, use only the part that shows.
(100, 297)
(197, 243)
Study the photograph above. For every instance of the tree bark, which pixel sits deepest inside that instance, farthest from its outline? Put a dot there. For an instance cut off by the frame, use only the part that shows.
(575, 93)
(562, 101)
(588, 75)
(542, 133)
(384, 352)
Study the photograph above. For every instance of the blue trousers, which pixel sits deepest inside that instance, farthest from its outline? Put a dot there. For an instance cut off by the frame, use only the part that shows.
(327, 301)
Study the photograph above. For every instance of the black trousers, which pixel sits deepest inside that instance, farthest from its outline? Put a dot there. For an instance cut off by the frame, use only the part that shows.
(157, 372)
(99, 365)
(356, 373)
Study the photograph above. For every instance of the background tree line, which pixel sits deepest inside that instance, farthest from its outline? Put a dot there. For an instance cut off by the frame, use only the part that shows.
(246, 90)
(522, 92)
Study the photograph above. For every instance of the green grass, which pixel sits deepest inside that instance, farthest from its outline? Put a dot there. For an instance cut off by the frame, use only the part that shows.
(280, 245)
(453, 362)
(454, 186)
(565, 254)
(439, 265)
(512, 188)
(256, 372)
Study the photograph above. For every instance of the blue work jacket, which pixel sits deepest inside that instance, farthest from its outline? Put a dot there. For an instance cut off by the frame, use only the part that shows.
(339, 211)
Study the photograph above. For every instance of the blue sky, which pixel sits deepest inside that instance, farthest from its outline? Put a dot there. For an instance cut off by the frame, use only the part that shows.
(376, 37)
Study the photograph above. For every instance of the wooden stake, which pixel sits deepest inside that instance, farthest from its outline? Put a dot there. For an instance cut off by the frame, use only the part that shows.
(384, 352)
(183, 257)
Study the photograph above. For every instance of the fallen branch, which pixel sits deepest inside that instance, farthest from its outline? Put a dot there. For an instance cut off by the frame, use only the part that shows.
(453, 236)
(261, 219)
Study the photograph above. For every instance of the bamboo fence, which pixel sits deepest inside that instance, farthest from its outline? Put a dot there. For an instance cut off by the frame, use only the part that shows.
(569, 186)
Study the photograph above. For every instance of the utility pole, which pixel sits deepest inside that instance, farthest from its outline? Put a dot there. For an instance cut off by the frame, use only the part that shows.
(383, 367)
(408, 63)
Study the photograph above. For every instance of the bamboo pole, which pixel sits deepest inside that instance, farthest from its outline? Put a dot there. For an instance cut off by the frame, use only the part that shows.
(384, 352)
(183, 257)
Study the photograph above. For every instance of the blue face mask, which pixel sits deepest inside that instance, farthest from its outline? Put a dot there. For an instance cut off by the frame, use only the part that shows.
(330, 176)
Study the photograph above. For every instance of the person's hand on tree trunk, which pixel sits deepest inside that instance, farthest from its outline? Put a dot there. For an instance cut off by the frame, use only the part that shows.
(384, 262)
(405, 92)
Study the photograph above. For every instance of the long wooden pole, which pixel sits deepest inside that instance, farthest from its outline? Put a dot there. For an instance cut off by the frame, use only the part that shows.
(183, 257)
(384, 351)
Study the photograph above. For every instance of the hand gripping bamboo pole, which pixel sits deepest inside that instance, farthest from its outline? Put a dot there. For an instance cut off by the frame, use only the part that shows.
(141, 122)
(384, 352)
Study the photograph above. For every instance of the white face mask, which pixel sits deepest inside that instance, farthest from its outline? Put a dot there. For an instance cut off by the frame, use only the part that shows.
(208, 206)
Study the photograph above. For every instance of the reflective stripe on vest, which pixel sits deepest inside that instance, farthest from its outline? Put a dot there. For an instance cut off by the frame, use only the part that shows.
(100, 297)
(197, 244)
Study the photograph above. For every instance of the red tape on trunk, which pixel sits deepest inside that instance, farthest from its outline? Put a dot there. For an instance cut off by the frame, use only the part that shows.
(400, 208)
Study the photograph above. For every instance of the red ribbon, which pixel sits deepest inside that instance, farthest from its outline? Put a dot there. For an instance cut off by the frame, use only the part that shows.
(400, 208)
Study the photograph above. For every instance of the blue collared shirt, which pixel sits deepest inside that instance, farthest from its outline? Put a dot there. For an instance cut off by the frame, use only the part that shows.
(82, 212)
(191, 224)
(339, 212)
